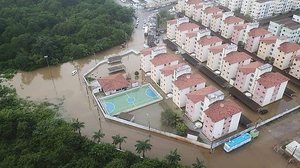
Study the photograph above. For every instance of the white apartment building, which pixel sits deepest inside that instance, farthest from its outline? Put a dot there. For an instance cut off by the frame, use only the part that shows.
(282, 6)
(240, 32)
(262, 9)
(295, 67)
(204, 44)
(266, 47)
(216, 55)
(228, 25)
(184, 84)
(159, 62)
(148, 54)
(232, 62)
(208, 13)
(167, 75)
(258, 9)
(286, 27)
(233, 5)
(199, 101)
(182, 29)
(285, 54)
(172, 26)
(190, 41)
(215, 23)
(221, 118)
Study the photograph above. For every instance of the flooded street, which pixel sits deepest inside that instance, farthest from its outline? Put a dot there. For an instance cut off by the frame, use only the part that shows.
(57, 85)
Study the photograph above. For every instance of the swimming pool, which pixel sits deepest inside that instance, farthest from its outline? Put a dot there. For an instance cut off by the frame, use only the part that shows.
(130, 99)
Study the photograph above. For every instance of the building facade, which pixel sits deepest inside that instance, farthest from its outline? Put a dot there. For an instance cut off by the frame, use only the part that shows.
(232, 62)
(198, 101)
(254, 37)
(159, 62)
(221, 118)
(204, 44)
(269, 88)
(295, 67)
(185, 84)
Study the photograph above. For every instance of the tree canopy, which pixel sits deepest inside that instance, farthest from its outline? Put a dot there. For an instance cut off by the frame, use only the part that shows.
(61, 29)
(34, 135)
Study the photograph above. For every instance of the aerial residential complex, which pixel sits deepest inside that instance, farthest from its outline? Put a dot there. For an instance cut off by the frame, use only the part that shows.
(259, 9)
(286, 27)
(237, 67)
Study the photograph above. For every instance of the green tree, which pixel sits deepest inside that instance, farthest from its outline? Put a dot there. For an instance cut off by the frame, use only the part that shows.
(118, 140)
(181, 129)
(169, 117)
(143, 146)
(173, 158)
(98, 136)
(117, 163)
(77, 125)
(198, 164)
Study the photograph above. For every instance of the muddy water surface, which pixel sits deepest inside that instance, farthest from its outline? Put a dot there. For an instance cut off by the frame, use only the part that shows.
(56, 84)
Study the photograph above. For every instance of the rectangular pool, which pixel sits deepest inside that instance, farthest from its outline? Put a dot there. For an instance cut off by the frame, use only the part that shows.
(130, 99)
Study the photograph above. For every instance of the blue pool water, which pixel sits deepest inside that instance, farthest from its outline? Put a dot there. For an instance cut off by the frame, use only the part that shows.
(150, 93)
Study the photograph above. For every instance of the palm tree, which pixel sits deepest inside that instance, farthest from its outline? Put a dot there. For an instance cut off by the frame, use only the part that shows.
(143, 146)
(77, 125)
(198, 164)
(117, 139)
(173, 158)
(98, 135)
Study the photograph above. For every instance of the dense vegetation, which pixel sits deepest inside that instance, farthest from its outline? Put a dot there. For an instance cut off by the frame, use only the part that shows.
(61, 29)
(174, 120)
(32, 135)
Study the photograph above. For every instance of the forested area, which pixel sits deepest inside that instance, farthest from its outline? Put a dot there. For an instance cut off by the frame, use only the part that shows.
(33, 135)
(61, 29)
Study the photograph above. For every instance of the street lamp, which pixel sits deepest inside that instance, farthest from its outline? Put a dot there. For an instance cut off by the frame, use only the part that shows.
(147, 114)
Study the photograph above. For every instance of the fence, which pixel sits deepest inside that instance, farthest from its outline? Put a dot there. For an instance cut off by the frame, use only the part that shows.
(218, 143)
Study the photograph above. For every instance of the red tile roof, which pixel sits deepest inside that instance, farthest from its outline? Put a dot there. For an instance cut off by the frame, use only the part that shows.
(209, 10)
(194, 1)
(222, 109)
(240, 27)
(146, 51)
(191, 34)
(289, 47)
(271, 79)
(198, 6)
(217, 49)
(208, 40)
(297, 57)
(113, 82)
(217, 15)
(168, 70)
(187, 26)
(174, 21)
(188, 80)
(269, 40)
(163, 59)
(235, 56)
(198, 95)
(233, 19)
(256, 32)
(246, 69)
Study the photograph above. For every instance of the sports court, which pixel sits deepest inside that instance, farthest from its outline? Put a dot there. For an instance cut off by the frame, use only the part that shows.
(130, 99)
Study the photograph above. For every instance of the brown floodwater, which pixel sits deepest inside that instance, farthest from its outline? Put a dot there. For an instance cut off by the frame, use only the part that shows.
(56, 85)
